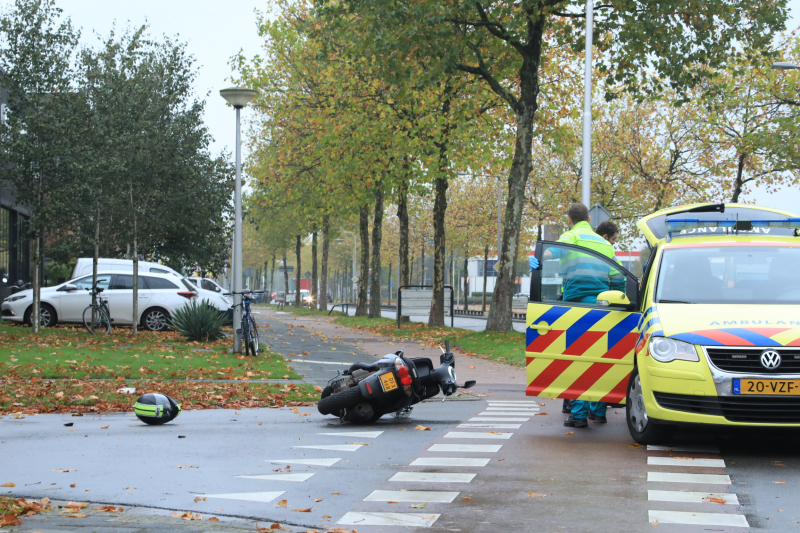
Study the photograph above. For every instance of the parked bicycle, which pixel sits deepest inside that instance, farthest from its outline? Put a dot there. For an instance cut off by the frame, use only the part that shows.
(248, 329)
(97, 317)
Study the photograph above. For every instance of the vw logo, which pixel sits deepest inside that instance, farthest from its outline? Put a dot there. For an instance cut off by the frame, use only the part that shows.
(770, 359)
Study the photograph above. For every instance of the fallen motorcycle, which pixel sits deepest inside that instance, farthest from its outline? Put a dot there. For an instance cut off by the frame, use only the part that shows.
(365, 392)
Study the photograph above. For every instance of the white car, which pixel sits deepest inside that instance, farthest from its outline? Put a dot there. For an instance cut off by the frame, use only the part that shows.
(209, 290)
(84, 266)
(159, 296)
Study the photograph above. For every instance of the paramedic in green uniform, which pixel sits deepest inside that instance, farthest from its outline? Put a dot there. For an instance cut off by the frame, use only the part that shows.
(584, 278)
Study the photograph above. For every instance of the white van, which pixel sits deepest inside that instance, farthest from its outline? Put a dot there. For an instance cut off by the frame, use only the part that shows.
(84, 266)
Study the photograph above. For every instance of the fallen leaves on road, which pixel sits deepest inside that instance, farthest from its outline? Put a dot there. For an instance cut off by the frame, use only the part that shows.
(335, 492)
(304, 353)
(542, 413)
(569, 433)
(306, 510)
(108, 509)
(199, 498)
(466, 499)
(654, 522)
(634, 445)
(73, 485)
(472, 366)
(76, 505)
(213, 519)
(419, 506)
(779, 482)
(317, 500)
(288, 467)
(8, 485)
(535, 495)
(103, 427)
(712, 499)
(10, 520)
(423, 428)
(283, 503)
(130, 488)
(188, 515)
(268, 529)
(76, 515)
(362, 443)
(542, 404)
(65, 470)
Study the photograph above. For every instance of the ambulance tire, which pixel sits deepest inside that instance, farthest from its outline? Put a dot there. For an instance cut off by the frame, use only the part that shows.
(642, 429)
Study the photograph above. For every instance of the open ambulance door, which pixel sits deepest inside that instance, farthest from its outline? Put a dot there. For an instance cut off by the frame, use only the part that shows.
(576, 350)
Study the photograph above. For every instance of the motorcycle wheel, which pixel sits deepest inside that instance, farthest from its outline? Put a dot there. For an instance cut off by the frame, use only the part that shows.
(327, 391)
(341, 400)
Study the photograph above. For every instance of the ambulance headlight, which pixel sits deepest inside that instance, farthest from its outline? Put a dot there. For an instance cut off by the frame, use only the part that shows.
(665, 350)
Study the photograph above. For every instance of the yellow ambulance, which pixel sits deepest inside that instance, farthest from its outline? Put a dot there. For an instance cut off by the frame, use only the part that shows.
(710, 333)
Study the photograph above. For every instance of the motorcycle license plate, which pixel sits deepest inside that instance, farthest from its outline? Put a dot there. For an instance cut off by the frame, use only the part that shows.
(786, 387)
(388, 382)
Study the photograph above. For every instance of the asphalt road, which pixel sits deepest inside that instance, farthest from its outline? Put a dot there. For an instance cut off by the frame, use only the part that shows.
(497, 462)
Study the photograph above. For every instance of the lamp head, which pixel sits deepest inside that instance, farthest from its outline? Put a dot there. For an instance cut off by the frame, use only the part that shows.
(238, 97)
(784, 65)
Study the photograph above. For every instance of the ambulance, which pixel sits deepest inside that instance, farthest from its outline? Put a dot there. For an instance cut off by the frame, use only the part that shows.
(710, 333)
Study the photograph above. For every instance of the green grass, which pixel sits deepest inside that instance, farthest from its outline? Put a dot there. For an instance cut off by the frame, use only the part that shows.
(71, 352)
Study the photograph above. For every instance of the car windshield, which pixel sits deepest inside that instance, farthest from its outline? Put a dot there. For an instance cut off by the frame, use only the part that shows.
(730, 275)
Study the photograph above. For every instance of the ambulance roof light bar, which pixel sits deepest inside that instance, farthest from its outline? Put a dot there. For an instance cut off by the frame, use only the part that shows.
(676, 225)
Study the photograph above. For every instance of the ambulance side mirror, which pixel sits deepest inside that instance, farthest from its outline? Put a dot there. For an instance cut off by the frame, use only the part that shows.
(613, 299)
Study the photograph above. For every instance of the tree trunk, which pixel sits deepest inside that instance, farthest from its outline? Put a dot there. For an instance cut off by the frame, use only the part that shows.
(285, 278)
(37, 295)
(389, 286)
(485, 268)
(377, 236)
(363, 228)
(737, 190)
(466, 282)
(272, 277)
(436, 317)
(96, 256)
(297, 274)
(314, 267)
(323, 283)
(404, 272)
(422, 266)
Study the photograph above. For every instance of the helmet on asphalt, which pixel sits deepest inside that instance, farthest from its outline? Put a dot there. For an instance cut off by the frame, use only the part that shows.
(155, 408)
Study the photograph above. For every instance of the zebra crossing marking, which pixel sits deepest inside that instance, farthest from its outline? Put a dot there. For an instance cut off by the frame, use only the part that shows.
(486, 448)
(671, 477)
(429, 496)
(326, 461)
(476, 435)
(359, 434)
(262, 497)
(691, 497)
(280, 477)
(490, 426)
(331, 447)
(450, 461)
(690, 462)
(697, 519)
(433, 477)
(388, 519)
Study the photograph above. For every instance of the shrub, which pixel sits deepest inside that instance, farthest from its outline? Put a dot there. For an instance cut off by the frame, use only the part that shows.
(198, 322)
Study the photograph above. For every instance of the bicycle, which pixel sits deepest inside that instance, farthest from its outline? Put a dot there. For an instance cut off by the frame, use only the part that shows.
(248, 330)
(97, 317)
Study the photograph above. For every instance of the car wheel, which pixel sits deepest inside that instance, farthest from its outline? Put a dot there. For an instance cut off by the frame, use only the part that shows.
(155, 319)
(643, 429)
(47, 316)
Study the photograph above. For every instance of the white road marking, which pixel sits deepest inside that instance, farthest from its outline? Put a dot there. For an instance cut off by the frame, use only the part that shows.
(510, 408)
(697, 448)
(691, 497)
(331, 447)
(388, 519)
(359, 434)
(485, 419)
(280, 477)
(507, 413)
(433, 477)
(476, 435)
(490, 426)
(513, 404)
(529, 402)
(429, 496)
(699, 519)
(263, 497)
(450, 461)
(319, 362)
(686, 461)
(489, 448)
(326, 461)
(670, 477)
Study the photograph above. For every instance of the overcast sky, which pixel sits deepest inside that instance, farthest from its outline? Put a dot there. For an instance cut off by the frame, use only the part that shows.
(216, 30)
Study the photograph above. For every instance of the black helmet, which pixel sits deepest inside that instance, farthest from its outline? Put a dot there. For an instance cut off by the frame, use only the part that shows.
(155, 409)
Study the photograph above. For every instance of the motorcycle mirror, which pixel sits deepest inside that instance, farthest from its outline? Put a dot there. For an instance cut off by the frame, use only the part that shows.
(469, 384)
(442, 349)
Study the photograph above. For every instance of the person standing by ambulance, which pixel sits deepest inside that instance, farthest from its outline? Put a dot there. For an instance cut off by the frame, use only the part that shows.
(583, 282)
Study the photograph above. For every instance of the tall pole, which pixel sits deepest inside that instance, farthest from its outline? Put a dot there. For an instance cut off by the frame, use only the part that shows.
(498, 219)
(587, 110)
(237, 238)
(355, 283)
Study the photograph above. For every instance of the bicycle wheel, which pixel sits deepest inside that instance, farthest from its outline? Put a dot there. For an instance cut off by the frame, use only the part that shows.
(253, 337)
(96, 320)
(246, 336)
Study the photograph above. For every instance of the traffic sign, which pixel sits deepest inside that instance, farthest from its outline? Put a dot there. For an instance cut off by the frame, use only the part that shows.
(598, 215)
(355, 279)
(288, 269)
(249, 272)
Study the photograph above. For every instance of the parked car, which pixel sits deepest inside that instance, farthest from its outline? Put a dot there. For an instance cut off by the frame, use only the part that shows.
(209, 290)
(278, 296)
(84, 266)
(159, 296)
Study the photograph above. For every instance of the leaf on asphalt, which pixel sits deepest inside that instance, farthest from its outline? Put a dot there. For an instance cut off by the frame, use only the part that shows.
(326, 516)
(466, 499)
(10, 520)
(335, 492)
(103, 427)
(711, 499)
(176, 515)
(306, 510)
(65, 470)
(317, 388)
(288, 467)
(76, 505)
(259, 423)
(130, 488)
(534, 495)
(333, 348)
(73, 485)
(200, 498)
(304, 353)
(76, 515)
(423, 428)
(569, 433)
(186, 466)
(108, 509)
(472, 366)
(283, 503)
(779, 482)
(634, 445)
(542, 413)
(542, 404)
(213, 519)
(360, 443)
(419, 506)
(427, 517)
(317, 500)
(654, 522)
(8, 485)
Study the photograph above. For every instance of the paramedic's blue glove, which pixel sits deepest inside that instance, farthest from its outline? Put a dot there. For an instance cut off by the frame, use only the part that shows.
(533, 262)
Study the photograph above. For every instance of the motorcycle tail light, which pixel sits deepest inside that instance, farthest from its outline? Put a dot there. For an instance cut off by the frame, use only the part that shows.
(406, 380)
(403, 372)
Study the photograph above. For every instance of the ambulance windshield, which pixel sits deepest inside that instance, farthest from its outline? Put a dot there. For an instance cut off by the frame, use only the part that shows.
(730, 275)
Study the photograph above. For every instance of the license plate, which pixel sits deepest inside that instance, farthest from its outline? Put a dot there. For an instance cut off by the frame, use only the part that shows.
(388, 382)
(786, 387)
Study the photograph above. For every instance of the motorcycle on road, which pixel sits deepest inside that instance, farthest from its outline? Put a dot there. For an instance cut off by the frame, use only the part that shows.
(365, 392)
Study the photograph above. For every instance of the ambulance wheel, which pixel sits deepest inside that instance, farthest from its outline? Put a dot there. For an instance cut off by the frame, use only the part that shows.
(642, 428)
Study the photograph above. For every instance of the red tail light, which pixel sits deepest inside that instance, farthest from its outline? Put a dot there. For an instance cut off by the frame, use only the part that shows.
(403, 372)
(406, 380)
(187, 294)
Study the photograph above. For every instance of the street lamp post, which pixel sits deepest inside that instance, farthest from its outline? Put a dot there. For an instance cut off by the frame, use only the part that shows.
(238, 97)
(587, 110)
(785, 66)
